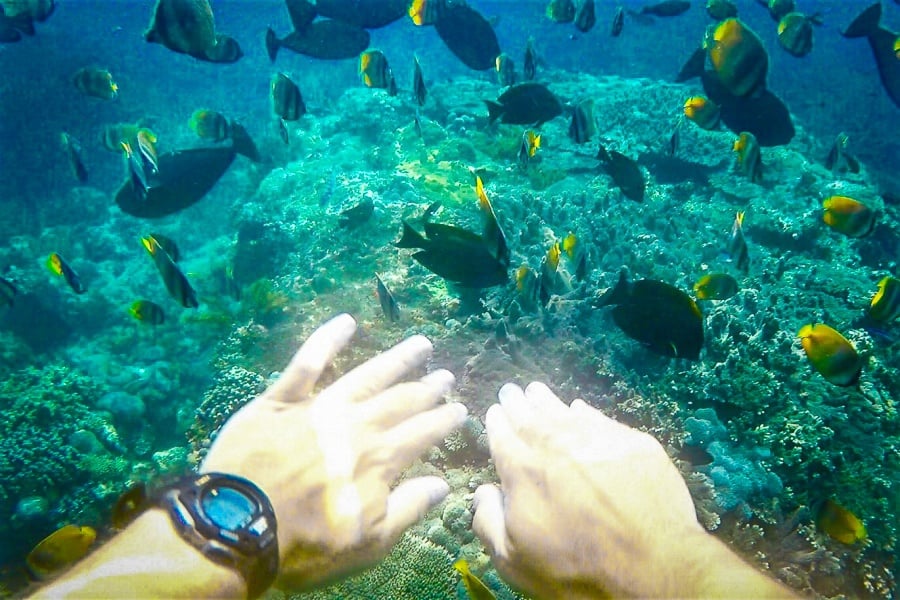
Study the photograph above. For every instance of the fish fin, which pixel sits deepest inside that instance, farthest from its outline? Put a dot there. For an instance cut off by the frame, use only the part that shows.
(603, 154)
(495, 110)
(242, 142)
(617, 294)
(272, 44)
(411, 238)
(865, 24)
(852, 163)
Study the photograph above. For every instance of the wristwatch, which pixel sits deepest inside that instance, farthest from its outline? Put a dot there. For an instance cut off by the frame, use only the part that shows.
(231, 521)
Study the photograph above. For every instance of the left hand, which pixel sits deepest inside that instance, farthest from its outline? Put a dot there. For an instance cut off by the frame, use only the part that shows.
(327, 461)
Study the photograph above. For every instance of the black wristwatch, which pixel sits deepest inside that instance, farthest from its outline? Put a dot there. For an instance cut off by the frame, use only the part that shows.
(231, 521)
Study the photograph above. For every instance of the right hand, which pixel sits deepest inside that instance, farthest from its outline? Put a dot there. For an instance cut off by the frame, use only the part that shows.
(588, 507)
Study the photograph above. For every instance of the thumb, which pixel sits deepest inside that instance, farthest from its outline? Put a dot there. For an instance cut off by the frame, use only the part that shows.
(489, 521)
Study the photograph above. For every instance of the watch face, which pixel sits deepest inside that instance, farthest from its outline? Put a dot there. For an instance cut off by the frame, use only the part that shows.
(228, 508)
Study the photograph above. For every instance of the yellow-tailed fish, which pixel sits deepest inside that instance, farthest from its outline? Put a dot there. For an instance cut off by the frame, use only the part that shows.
(885, 304)
(716, 286)
(848, 216)
(474, 586)
(737, 245)
(147, 312)
(738, 57)
(175, 281)
(96, 82)
(831, 354)
(59, 550)
(702, 111)
(748, 156)
(839, 523)
(59, 266)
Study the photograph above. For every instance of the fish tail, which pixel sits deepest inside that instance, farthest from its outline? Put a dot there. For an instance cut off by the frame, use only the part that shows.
(411, 238)
(494, 110)
(272, 44)
(242, 142)
(866, 23)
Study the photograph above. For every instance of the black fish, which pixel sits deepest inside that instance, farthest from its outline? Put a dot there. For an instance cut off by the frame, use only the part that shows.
(353, 217)
(326, 39)
(618, 22)
(133, 501)
(525, 104)
(625, 173)
(469, 36)
(419, 90)
(301, 12)
(666, 8)
(184, 178)
(389, 305)
(176, 283)
(243, 143)
(881, 40)
(368, 14)
(457, 255)
(765, 115)
(658, 315)
(585, 17)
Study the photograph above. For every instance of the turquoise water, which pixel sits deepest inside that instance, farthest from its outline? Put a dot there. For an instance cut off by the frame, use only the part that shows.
(92, 400)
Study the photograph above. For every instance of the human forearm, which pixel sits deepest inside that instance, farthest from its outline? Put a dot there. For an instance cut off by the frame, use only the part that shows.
(147, 560)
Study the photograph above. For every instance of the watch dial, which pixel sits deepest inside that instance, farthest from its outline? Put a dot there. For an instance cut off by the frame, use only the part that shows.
(227, 508)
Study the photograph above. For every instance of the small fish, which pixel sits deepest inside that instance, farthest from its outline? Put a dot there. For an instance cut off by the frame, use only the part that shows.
(848, 216)
(675, 139)
(493, 234)
(831, 354)
(426, 12)
(529, 69)
(95, 82)
(59, 266)
(8, 292)
(838, 158)
(885, 304)
(618, 22)
(146, 146)
(147, 312)
(60, 549)
(582, 126)
(167, 244)
(561, 11)
(417, 124)
(210, 125)
(353, 217)
(476, 588)
(531, 142)
(527, 283)
(795, 32)
(778, 8)
(419, 90)
(702, 111)
(287, 102)
(748, 156)
(130, 504)
(721, 9)
(139, 177)
(666, 8)
(585, 16)
(114, 134)
(374, 70)
(389, 306)
(738, 57)
(72, 148)
(737, 245)
(283, 132)
(176, 283)
(897, 47)
(625, 173)
(695, 455)
(506, 70)
(526, 103)
(716, 286)
(839, 523)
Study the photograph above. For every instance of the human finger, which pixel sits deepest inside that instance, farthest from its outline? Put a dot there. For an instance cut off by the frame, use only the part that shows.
(520, 411)
(402, 401)
(383, 370)
(489, 520)
(409, 502)
(507, 448)
(406, 441)
(300, 376)
(543, 401)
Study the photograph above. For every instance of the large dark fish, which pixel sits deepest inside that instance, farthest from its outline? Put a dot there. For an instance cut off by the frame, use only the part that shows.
(326, 39)
(457, 255)
(525, 104)
(469, 36)
(658, 315)
(881, 40)
(666, 8)
(625, 173)
(184, 178)
(301, 12)
(765, 115)
(369, 14)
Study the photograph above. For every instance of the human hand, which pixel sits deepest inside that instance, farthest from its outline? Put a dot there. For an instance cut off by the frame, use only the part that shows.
(588, 507)
(327, 461)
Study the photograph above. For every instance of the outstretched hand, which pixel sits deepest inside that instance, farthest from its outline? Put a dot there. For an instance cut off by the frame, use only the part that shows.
(588, 506)
(327, 461)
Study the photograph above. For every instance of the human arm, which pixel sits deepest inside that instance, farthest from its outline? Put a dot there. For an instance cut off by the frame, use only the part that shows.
(325, 460)
(590, 508)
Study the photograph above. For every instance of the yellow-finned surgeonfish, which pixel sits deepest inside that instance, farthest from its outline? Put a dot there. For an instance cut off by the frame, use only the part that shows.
(59, 266)
(476, 588)
(885, 304)
(59, 550)
(839, 523)
(831, 354)
(738, 57)
(848, 216)
(176, 283)
(716, 286)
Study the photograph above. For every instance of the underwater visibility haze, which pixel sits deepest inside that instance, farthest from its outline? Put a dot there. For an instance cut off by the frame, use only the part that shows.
(685, 213)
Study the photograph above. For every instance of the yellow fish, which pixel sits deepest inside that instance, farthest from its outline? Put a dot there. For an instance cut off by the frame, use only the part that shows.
(702, 111)
(848, 216)
(885, 304)
(839, 523)
(569, 245)
(831, 354)
(748, 156)
(716, 286)
(59, 550)
(738, 57)
(897, 47)
(474, 586)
